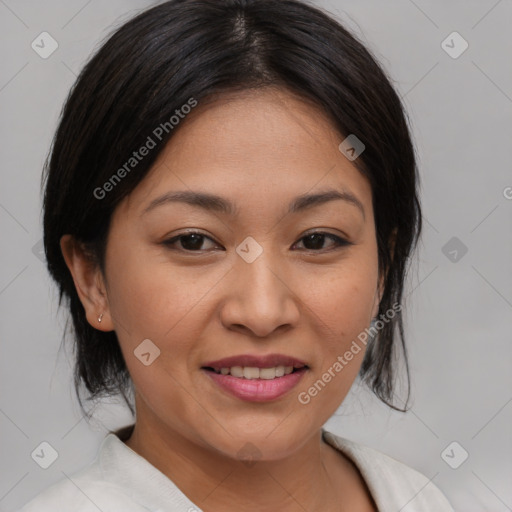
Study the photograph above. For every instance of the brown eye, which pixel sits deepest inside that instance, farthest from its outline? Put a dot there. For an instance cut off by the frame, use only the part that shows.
(192, 242)
(315, 241)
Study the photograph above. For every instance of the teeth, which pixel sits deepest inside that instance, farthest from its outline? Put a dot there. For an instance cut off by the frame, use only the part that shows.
(251, 372)
(267, 373)
(237, 371)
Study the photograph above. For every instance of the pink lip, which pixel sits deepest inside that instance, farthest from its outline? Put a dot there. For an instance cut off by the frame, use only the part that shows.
(256, 390)
(268, 361)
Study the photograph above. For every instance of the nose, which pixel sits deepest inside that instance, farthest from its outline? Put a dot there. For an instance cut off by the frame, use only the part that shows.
(260, 298)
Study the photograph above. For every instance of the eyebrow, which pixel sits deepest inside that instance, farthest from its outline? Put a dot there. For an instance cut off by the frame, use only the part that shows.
(211, 202)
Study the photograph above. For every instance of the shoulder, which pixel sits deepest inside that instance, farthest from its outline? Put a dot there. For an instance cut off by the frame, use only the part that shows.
(393, 483)
(83, 491)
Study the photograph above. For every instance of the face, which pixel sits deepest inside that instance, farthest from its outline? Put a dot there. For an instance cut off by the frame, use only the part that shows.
(277, 274)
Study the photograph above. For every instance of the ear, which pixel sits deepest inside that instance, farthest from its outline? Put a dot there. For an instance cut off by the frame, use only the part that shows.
(89, 283)
(382, 278)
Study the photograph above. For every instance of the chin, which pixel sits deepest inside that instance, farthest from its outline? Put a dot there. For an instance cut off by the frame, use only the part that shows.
(265, 443)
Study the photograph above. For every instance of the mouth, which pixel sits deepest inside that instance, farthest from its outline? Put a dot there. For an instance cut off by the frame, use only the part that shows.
(253, 372)
(256, 378)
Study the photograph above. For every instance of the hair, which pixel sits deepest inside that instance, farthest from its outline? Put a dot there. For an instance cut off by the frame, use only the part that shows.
(181, 49)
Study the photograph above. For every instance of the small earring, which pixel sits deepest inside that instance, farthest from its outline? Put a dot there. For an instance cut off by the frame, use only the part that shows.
(100, 317)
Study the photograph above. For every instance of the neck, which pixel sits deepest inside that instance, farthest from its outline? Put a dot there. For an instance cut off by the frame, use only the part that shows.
(302, 481)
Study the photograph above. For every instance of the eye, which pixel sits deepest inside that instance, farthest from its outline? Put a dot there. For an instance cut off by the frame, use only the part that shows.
(316, 240)
(191, 241)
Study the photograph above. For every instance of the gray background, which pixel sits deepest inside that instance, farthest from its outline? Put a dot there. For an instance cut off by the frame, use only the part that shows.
(459, 317)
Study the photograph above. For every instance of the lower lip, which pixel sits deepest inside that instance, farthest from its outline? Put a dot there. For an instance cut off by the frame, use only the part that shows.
(257, 390)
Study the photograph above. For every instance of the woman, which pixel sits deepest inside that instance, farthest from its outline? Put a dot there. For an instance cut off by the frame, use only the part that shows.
(230, 203)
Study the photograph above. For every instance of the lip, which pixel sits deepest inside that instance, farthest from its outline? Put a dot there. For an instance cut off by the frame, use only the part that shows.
(256, 390)
(267, 361)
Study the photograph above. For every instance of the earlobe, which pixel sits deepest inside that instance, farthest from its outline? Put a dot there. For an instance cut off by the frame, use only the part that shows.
(89, 283)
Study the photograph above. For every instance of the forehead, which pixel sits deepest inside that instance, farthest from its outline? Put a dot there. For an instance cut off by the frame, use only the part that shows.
(269, 125)
(255, 147)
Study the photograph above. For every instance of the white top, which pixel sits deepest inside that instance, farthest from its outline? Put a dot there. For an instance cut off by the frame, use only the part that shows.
(120, 480)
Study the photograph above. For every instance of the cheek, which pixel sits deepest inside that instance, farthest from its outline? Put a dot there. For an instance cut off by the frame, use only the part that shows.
(150, 296)
(151, 299)
(342, 301)
(342, 312)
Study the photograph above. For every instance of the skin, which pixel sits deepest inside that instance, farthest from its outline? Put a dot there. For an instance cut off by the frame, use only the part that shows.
(260, 150)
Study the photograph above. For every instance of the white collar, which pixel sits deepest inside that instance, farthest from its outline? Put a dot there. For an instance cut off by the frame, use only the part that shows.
(389, 481)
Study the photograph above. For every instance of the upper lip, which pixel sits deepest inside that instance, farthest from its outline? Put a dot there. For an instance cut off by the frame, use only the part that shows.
(267, 361)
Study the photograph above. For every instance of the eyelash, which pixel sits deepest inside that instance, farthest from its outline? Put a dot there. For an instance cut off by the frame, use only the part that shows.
(340, 242)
